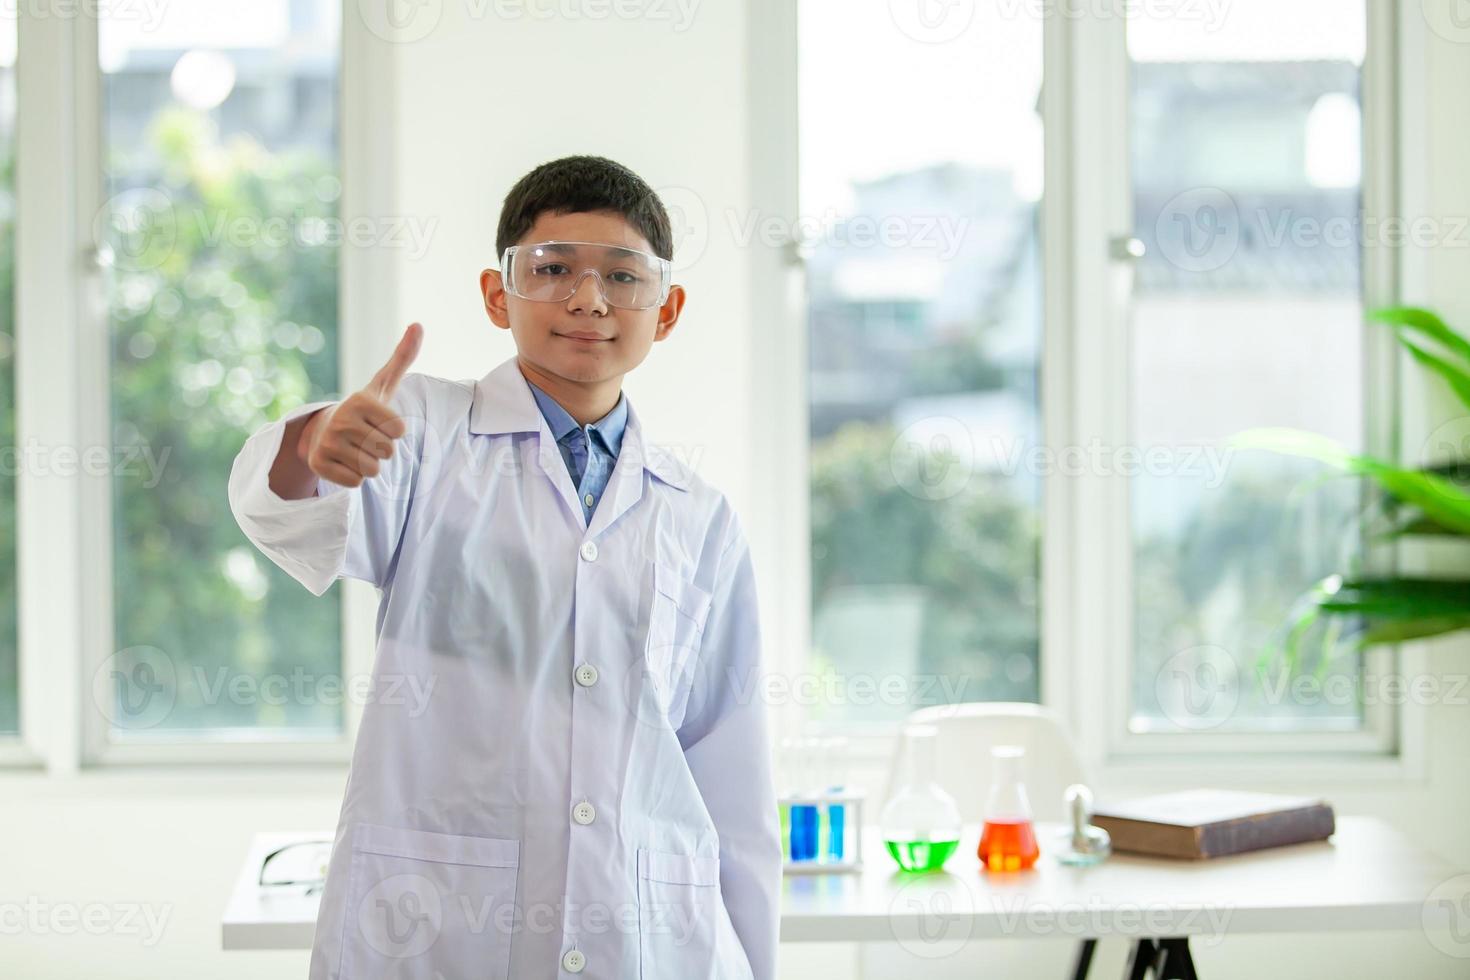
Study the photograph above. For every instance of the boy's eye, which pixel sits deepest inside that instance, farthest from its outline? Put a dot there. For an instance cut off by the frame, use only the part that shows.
(550, 269)
(627, 277)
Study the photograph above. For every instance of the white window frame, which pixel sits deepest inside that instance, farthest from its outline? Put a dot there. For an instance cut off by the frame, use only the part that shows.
(1104, 596)
(1086, 552)
(62, 367)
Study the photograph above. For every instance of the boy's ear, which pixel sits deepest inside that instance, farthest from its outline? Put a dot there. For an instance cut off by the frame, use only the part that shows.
(668, 314)
(492, 288)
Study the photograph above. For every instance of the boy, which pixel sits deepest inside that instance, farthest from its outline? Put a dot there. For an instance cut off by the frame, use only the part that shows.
(588, 788)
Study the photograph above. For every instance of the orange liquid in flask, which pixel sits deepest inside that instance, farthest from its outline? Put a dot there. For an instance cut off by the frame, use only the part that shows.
(1008, 845)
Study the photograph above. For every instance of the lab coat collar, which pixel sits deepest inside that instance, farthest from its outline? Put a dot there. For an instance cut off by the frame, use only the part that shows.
(608, 429)
(504, 403)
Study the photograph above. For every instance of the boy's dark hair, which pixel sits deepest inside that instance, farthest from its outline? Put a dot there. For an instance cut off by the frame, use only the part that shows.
(584, 183)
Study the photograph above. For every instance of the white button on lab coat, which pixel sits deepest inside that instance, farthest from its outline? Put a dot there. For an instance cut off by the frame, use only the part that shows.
(507, 812)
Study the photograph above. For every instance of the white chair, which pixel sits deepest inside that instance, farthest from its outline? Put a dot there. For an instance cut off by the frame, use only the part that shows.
(962, 764)
(962, 754)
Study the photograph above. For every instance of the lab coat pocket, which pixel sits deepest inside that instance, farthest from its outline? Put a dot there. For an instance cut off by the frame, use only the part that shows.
(423, 905)
(678, 914)
(675, 625)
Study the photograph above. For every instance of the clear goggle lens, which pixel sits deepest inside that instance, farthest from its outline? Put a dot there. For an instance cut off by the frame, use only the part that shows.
(550, 272)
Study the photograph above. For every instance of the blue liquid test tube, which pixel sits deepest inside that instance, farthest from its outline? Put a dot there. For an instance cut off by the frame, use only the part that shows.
(836, 812)
(836, 819)
(803, 832)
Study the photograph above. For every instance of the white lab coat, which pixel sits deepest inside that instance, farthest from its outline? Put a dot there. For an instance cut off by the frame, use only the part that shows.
(586, 786)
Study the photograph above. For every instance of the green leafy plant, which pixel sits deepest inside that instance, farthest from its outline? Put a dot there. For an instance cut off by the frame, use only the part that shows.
(1430, 500)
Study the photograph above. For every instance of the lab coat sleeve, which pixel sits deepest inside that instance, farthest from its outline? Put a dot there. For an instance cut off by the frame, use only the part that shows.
(727, 747)
(351, 531)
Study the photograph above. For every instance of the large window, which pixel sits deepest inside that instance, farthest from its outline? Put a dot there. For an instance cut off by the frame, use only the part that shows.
(1242, 183)
(221, 167)
(1246, 171)
(920, 189)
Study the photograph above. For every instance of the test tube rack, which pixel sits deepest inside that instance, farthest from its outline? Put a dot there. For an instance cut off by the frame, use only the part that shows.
(823, 863)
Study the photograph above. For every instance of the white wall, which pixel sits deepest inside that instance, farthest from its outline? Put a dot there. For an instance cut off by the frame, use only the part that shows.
(621, 89)
(170, 841)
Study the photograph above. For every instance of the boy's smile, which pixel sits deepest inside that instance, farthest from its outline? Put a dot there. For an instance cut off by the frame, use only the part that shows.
(577, 351)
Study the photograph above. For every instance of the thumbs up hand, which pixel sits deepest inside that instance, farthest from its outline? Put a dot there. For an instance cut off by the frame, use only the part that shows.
(345, 443)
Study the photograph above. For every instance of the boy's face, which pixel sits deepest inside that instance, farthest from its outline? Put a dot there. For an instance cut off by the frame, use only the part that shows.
(618, 339)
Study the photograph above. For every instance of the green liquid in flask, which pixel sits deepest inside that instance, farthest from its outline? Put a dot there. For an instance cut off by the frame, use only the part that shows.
(921, 855)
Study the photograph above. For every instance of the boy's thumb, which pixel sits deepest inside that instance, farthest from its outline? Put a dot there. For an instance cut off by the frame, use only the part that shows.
(385, 382)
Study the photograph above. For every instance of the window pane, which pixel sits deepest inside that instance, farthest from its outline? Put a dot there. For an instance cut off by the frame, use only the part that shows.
(921, 171)
(9, 661)
(221, 165)
(1246, 157)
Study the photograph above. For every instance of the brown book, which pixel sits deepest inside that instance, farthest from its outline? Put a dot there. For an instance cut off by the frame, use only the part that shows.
(1205, 823)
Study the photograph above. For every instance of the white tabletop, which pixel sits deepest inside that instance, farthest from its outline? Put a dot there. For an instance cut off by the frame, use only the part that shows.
(1368, 876)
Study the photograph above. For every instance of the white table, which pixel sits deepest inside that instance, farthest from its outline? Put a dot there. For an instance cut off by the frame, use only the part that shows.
(1369, 876)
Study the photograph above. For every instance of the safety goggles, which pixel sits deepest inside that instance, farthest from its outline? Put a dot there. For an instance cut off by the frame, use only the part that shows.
(550, 272)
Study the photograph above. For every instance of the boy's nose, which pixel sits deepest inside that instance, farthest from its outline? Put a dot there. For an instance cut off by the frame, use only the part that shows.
(587, 294)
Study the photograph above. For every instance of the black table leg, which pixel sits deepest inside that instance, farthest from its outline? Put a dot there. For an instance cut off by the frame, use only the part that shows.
(1141, 960)
(1177, 962)
(1084, 959)
(1168, 959)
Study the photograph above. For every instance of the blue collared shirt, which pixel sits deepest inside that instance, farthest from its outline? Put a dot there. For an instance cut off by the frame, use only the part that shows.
(590, 450)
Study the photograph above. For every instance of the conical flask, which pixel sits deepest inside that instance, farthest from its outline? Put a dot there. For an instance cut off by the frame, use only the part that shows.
(1008, 840)
(921, 822)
